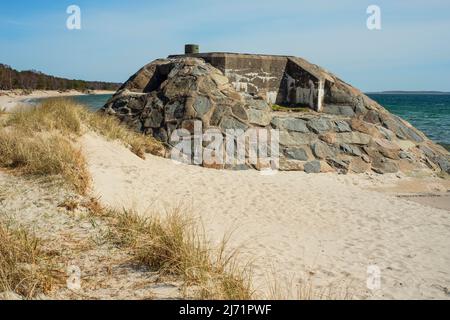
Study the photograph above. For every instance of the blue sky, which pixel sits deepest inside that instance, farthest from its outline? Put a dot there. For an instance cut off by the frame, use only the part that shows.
(411, 52)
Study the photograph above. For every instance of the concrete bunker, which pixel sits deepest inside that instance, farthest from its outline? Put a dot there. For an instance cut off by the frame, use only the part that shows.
(283, 80)
(229, 91)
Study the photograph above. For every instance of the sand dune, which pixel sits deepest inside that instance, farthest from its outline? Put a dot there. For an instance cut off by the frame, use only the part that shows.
(323, 228)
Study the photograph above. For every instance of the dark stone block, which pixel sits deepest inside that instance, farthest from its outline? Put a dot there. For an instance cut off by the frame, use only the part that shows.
(154, 120)
(443, 163)
(351, 150)
(174, 111)
(296, 153)
(340, 165)
(372, 117)
(312, 167)
(382, 165)
(218, 114)
(239, 111)
(342, 126)
(319, 125)
(202, 105)
(230, 123)
(321, 150)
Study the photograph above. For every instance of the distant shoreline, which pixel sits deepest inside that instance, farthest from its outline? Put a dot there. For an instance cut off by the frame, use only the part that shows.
(411, 92)
(11, 99)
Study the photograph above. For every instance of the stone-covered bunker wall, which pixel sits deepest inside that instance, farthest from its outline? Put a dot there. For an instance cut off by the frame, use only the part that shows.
(278, 79)
(223, 91)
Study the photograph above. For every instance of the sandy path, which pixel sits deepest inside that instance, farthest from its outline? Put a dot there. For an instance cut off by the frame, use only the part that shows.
(326, 227)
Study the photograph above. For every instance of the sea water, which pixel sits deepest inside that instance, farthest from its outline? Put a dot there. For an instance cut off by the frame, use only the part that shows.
(430, 113)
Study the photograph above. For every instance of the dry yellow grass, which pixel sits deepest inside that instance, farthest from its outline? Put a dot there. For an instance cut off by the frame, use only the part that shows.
(70, 118)
(111, 128)
(24, 267)
(173, 246)
(51, 115)
(41, 140)
(43, 154)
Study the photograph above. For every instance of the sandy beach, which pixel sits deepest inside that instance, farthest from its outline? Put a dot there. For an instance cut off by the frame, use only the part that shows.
(225, 160)
(324, 229)
(10, 99)
(354, 236)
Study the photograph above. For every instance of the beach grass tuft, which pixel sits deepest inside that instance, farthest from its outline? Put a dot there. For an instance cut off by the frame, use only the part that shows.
(173, 246)
(111, 128)
(25, 268)
(41, 140)
(51, 115)
(70, 118)
(43, 154)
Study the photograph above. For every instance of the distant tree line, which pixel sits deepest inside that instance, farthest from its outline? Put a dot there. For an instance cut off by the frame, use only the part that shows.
(35, 80)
